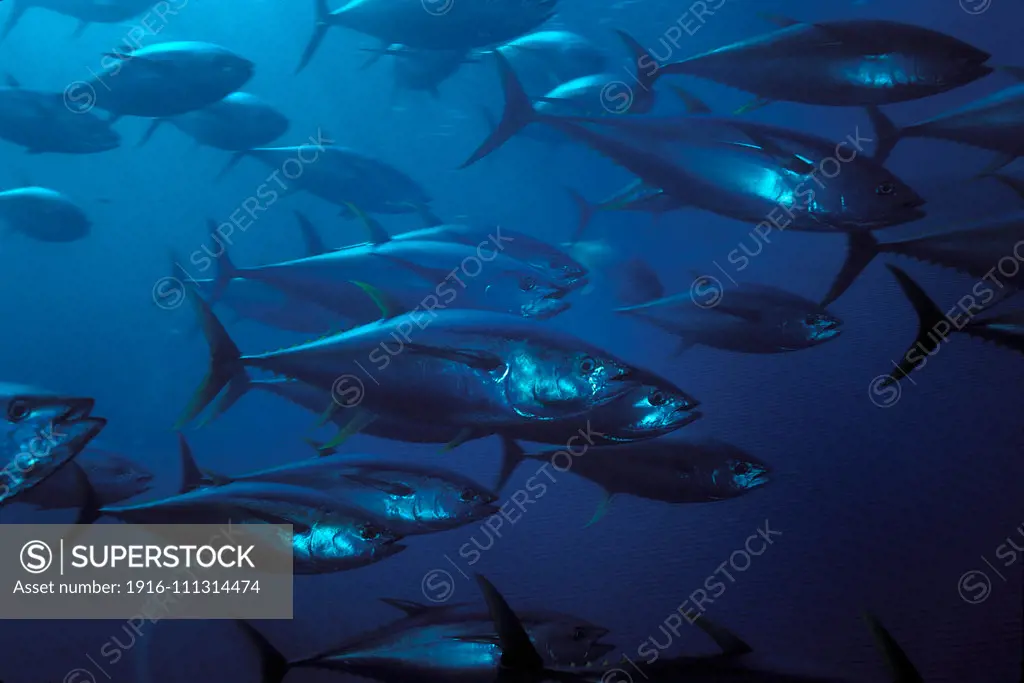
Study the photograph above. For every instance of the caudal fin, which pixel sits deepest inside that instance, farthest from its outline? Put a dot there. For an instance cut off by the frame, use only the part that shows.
(17, 10)
(512, 455)
(323, 24)
(226, 365)
(932, 326)
(518, 112)
(886, 131)
(861, 249)
(586, 212)
(310, 237)
(273, 665)
(902, 669)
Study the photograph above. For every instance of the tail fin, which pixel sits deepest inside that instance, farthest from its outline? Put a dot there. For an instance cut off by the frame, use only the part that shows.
(191, 475)
(512, 455)
(861, 249)
(149, 131)
(18, 9)
(310, 237)
(518, 112)
(226, 365)
(903, 670)
(273, 665)
(586, 212)
(323, 24)
(887, 132)
(236, 390)
(930, 318)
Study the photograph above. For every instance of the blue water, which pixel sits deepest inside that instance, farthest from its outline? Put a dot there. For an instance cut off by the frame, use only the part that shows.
(879, 509)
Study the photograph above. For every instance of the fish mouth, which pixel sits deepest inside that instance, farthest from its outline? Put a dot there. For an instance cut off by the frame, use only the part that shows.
(687, 417)
(74, 420)
(598, 650)
(77, 409)
(487, 510)
(547, 307)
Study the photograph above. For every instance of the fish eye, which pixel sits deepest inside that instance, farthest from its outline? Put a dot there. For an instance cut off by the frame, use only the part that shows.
(369, 532)
(741, 468)
(588, 365)
(468, 496)
(17, 410)
(527, 283)
(885, 188)
(657, 398)
(578, 633)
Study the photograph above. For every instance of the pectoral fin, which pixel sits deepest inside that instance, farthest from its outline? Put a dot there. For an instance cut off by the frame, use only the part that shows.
(478, 360)
(730, 643)
(389, 487)
(753, 105)
(464, 435)
(602, 509)
(358, 423)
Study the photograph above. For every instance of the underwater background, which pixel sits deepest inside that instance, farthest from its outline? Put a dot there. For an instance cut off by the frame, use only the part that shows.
(880, 508)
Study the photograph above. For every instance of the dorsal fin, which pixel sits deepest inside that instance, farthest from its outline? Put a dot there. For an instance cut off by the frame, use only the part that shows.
(903, 670)
(191, 475)
(376, 231)
(412, 609)
(310, 237)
